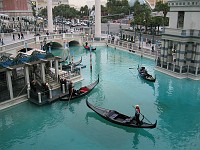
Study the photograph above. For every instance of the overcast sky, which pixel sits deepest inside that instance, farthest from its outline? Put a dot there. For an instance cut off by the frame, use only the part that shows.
(80, 3)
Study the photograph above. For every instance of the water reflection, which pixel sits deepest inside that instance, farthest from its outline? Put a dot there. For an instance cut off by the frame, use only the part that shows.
(178, 107)
(17, 125)
(138, 132)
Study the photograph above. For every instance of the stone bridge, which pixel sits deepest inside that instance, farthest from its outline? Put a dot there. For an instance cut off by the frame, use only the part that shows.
(38, 41)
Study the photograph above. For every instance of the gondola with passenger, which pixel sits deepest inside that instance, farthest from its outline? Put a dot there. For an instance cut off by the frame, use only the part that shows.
(80, 92)
(145, 75)
(70, 64)
(119, 118)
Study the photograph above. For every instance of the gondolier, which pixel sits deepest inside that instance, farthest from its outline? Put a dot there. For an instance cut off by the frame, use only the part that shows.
(80, 92)
(70, 88)
(119, 118)
(137, 114)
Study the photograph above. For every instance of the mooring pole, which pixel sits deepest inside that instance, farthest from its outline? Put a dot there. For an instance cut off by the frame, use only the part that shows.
(90, 58)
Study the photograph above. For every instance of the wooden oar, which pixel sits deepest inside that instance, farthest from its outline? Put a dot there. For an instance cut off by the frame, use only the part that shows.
(143, 116)
(70, 95)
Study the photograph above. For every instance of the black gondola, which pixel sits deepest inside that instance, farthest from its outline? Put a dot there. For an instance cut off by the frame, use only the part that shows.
(70, 64)
(81, 92)
(145, 75)
(118, 118)
(88, 48)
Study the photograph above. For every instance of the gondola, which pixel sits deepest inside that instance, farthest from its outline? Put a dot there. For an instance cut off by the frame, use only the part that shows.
(88, 48)
(145, 75)
(74, 64)
(81, 92)
(118, 118)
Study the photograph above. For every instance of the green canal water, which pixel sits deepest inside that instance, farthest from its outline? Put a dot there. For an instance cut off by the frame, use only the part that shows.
(174, 103)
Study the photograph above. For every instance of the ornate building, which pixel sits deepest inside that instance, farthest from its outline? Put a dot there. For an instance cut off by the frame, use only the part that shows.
(180, 53)
(43, 3)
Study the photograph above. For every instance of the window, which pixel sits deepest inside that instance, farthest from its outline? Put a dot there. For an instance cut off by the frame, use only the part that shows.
(180, 19)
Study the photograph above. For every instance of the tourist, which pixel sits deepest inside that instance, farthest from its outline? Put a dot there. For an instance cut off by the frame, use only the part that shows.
(22, 36)
(61, 84)
(86, 43)
(137, 114)
(2, 43)
(13, 37)
(18, 36)
(70, 88)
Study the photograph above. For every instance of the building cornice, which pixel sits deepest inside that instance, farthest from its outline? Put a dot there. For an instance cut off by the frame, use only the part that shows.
(184, 3)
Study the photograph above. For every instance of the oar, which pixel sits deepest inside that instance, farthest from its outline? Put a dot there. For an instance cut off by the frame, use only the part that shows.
(70, 95)
(144, 116)
(131, 68)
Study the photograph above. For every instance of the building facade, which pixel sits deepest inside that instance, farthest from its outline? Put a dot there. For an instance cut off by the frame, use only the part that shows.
(43, 3)
(180, 52)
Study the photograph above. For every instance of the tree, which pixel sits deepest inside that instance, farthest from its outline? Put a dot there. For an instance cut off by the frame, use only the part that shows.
(118, 7)
(160, 6)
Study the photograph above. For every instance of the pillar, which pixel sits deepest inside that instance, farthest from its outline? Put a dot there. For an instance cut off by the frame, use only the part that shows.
(51, 65)
(9, 82)
(182, 54)
(97, 18)
(50, 17)
(56, 69)
(178, 53)
(43, 72)
(27, 75)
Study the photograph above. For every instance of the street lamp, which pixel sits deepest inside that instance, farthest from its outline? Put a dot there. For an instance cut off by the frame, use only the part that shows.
(41, 45)
(45, 42)
(108, 27)
(134, 33)
(153, 37)
(120, 26)
(140, 39)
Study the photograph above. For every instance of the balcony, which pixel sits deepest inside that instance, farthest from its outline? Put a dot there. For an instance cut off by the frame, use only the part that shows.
(182, 32)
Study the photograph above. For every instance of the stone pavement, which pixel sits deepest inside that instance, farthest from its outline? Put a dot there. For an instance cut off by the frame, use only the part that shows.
(8, 39)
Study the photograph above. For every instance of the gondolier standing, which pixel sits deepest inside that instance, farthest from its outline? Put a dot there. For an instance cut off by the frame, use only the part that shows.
(137, 114)
(70, 88)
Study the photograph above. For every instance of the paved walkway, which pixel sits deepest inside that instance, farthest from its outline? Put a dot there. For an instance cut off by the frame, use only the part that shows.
(9, 39)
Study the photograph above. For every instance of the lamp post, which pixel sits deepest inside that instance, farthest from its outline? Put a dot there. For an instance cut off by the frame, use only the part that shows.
(120, 27)
(41, 45)
(140, 40)
(62, 24)
(45, 42)
(50, 46)
(134, 33)
(153, 41)
(108, 27)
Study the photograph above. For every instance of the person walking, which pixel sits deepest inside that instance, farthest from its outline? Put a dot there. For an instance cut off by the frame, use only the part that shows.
(13, 37)
(18, 36)
(2, 43)
(22, 35)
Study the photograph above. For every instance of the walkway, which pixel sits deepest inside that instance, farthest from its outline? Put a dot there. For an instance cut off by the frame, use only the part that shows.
(9, 39)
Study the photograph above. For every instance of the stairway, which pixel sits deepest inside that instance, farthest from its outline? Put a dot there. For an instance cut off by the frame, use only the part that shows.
(53, 84)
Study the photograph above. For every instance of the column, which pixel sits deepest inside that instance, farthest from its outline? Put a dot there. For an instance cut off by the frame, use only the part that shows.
(9, 83)
(166, 44)
(182, 54)
(169, 52)
(50, 17)
(97, 18)
(56, 69)
(43, 72)
(189, 52)
(178, 53)
(51, 65)
(27, 75)
(197, 54)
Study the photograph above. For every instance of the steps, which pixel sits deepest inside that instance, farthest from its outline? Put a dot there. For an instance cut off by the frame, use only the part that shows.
(53, 84)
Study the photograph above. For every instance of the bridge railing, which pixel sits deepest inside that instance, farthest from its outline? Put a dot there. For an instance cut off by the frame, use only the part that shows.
(36, 40)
